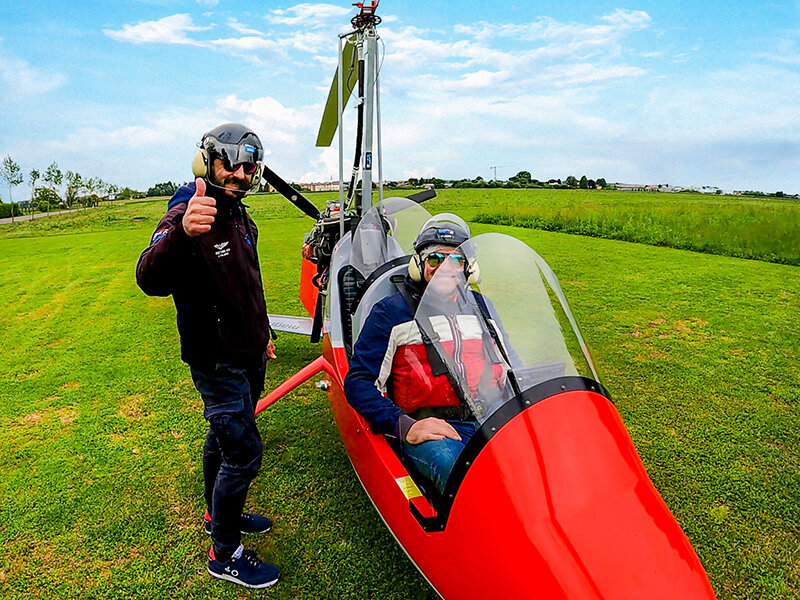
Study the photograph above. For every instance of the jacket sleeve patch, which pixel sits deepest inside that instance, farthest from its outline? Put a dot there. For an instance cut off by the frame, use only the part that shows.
(160, 234)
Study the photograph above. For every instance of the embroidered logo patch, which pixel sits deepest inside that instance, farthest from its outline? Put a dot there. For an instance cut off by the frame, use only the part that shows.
(223, 249)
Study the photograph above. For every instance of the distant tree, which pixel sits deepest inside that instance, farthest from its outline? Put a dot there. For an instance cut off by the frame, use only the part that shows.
(74, 187)
(45, 198)
(53, 178)
(601, 183)
(12, 175)
(127, 193)
(522, 178)
(571, 182)
(95, 188)
(162, 189)
(584, 183)
(111, 191)
(33, 177)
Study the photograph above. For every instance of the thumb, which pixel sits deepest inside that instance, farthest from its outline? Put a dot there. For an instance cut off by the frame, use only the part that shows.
(201, 186)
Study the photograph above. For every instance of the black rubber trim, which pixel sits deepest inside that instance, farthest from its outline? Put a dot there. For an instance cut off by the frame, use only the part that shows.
(395, 262)
(489, 429)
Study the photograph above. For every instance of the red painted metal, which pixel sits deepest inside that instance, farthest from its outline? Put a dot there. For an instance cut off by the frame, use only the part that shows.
(303, 375)
(557, 505)
(308, 291)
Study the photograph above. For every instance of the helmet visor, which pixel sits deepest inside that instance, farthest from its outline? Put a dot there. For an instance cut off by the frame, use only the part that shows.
(243, 154)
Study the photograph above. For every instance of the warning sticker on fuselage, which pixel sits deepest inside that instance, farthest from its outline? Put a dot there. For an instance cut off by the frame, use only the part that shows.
(408, 487)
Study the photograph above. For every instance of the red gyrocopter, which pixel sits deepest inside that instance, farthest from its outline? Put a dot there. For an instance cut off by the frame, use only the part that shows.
(550, 498)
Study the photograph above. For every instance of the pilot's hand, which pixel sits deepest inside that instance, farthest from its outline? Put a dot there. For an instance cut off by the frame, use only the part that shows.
(271, 350)
(431, 429)
(200, 212)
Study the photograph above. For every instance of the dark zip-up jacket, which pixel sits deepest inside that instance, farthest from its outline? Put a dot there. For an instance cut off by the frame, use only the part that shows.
(214, 279)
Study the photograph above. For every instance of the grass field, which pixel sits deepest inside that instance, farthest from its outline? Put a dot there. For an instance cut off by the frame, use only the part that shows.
(763, 229)
(102, 430)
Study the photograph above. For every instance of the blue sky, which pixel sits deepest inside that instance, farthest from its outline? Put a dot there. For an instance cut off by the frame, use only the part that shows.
(683, 93)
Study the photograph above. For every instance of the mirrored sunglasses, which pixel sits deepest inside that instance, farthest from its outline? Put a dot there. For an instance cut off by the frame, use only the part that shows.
(248, 167)
(435, 259)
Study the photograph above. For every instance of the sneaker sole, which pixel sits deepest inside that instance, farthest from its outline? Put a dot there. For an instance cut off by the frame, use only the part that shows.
(267, 530)
(233, 579)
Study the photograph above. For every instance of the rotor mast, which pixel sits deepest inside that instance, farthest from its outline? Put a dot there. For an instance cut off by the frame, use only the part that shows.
(358, 62)
(364, 25)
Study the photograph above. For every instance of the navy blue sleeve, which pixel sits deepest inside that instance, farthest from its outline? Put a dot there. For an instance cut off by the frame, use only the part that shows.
(359, 384)
(182, 194)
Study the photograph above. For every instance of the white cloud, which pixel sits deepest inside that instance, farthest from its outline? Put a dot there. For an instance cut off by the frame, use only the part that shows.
(619, 24)
(253, 44)
(560, 54)
(169, 30)
(308, 15)
(243, 29)
(245, 44)
(208, 3)
(21, 79)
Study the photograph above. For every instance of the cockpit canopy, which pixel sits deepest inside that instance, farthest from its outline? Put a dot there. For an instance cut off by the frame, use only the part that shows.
(508, 300)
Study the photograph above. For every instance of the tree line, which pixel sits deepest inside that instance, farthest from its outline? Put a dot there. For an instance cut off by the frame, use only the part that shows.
(54, 189)
(523, 179)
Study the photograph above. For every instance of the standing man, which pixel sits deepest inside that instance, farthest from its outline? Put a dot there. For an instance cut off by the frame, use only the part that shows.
(203, 252)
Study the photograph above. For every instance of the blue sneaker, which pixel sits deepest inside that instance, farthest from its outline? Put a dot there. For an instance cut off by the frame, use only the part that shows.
(243, 568)
(250, 523)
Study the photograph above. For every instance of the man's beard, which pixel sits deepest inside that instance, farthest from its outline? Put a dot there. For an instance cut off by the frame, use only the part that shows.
(235, 187)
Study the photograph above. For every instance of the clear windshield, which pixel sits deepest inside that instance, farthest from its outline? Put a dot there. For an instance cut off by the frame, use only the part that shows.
(386, 231)
(501, 325)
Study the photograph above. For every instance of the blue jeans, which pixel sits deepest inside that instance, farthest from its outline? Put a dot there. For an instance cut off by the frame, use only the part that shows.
(232, 452)
(434, 459)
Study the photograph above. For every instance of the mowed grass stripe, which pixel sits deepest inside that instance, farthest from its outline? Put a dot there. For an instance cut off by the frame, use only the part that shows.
(103, 430)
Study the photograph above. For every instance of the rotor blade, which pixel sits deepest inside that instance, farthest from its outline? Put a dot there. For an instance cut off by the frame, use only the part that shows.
(330, 120)
(420, 197)
(291, 194)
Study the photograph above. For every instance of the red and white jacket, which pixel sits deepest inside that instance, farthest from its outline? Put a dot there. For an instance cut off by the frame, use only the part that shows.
(390, 374)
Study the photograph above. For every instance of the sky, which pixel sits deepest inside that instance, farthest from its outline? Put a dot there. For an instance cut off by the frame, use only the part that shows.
(684, 93)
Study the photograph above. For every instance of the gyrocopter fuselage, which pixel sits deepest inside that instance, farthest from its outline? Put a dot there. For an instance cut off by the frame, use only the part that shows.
(549, 499)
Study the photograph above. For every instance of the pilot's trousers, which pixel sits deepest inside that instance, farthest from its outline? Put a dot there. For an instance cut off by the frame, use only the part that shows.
(232, 453)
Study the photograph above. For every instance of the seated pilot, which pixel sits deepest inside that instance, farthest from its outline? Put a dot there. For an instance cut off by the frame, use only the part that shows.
(391, 382)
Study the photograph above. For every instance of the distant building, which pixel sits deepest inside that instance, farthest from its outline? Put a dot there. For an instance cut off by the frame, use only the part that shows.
(326, 186)
(629, 187)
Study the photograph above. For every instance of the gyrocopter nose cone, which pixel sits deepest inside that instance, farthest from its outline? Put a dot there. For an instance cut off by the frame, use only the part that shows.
(558, 505)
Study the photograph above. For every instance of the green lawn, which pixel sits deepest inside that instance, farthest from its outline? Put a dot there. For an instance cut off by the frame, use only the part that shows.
(764, 229)
(102, 429)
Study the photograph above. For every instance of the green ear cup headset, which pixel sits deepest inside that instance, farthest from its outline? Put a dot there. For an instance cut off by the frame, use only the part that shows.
(235, 144)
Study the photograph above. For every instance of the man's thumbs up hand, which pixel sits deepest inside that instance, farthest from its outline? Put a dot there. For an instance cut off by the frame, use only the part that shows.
(200, 212)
